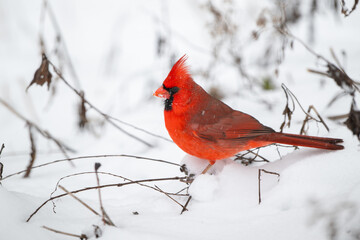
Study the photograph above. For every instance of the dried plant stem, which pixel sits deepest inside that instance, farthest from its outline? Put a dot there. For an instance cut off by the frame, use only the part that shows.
(2, 148)
(104, 186)
(106, 117)
(338, 117)
(1, 165)
(96, 156)
(307, 118)
(140, 129)
(259, 180)
(32, 154)
(335, 72)
(82, 236)
(61, 36)
(186, 204)
(168, 195)
(118, 176)
(63, 148)
(80, 201)
(104, 216)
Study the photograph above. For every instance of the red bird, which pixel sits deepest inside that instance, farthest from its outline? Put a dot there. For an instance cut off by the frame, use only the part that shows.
(207, 128)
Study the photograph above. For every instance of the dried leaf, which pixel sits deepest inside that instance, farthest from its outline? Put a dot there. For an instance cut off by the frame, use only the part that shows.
(42, 74)
(261, 21)
(287, 111)
(353, 122)
(97, 166)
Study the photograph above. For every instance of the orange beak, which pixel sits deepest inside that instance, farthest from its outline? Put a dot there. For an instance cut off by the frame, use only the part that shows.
(162, 93)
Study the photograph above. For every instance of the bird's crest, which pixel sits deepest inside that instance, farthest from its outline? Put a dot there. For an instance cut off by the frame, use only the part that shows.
(178, 74)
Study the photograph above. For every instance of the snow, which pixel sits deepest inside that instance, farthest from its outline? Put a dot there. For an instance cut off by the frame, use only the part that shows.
(112, 45)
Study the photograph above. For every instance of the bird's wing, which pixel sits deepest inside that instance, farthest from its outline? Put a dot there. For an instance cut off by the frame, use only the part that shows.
(235, 126)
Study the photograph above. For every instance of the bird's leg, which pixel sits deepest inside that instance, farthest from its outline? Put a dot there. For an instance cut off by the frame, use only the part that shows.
(207, 168)
(189, 198)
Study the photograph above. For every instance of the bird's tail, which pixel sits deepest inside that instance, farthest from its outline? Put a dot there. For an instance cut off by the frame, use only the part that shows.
(307, 141)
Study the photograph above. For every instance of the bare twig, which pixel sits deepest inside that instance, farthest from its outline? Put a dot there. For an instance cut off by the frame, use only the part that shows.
(104, 216)
(104, 186)
(1, 165)
(118, 176)
(96, 156)
(246, 161)
(32, 153)
(2, 148)
(156, 188)
(140, 129)
(106, 117)
(338, 117)
(288, 113)
(168, 195)
(81, 237)
(80, 201)
(63, 148)
(186, 204)
(60, 36)
(259, 179)
(1, 171)
(333, 71)
(307, 118)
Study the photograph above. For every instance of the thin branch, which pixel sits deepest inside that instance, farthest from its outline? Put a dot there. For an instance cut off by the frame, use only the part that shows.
(106, 117)
(140, 129)
(56, 26)
(338, 117)
(2, 148)
(293, 95)
(63, 148)
(259, 180)
(118, 176)
(307, 118)
(95, 156)
(186, 204)
(79, 200)
(104, 216)
(1, 165)
(168, 195)
(81, 237)
(32, 153)
(258, 155)
(335, 72)
(104, 186)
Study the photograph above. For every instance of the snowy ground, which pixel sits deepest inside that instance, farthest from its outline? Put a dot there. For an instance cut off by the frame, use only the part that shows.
(112, 45)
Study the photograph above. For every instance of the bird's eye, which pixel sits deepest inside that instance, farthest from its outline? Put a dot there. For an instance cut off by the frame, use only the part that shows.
(172, 90)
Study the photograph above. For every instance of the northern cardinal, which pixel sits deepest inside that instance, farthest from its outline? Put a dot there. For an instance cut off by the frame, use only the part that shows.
(207, 128)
